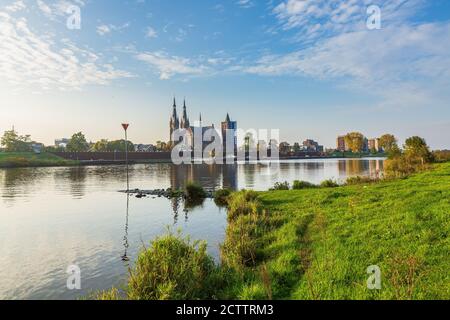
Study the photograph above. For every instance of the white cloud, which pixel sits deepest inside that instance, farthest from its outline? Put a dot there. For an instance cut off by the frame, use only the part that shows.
(15, 6)
(151, 33)
(245, 3)
(388, 54)
(168, 66)
(31, 59)
(55, 9)
(105, 29)
(44, 7)
(407, 61)
(314, 19)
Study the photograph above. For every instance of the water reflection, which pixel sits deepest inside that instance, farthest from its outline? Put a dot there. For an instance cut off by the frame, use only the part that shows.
(126, 245)
(351, 168)
(19, 182)
(22, 182)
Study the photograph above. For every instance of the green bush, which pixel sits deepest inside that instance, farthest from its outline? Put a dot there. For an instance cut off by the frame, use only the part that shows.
(441, 155)
(242, 203)
(280, 186)
(173, 268)
(194, 191)
(329, 184)
(360, 180)
(298, 185)
(221, 197)
(403, 166)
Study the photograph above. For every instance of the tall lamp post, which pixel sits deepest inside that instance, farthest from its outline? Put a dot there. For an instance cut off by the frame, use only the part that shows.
(125, 128)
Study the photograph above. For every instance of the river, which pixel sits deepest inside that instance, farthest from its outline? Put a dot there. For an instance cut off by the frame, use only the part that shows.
(51, 218)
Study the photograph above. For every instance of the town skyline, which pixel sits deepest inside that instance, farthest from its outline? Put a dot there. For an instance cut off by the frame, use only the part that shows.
(185, 122)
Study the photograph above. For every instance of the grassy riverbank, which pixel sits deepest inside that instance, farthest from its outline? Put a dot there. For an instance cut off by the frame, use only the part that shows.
(315, 243)
(30, 159)
(318, 243)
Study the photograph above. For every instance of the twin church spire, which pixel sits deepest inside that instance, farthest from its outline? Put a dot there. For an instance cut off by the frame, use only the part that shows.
(184, 123)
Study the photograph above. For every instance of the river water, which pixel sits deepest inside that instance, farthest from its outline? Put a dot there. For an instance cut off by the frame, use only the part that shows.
(52, 218)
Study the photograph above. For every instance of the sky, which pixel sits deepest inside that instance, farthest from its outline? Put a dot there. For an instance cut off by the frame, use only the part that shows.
(310, 68)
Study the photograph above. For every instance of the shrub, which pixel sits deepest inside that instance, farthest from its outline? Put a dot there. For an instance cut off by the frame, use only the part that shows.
(441, 155)
(221, 197)
(242, 203)
(194, 191)
(173, 268)
(360, 180)
(280, 186)
(402, 166)
(297, 185)
(329, 184)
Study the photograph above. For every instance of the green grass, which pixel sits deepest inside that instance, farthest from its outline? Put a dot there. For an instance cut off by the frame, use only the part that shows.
(319, 242)
(221, 197)
(172, 268)
(314, 243)
(30, 159)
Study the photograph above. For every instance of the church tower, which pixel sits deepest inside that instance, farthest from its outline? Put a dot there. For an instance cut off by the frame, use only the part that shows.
(229, 131)
(174, 121)
(184, 120)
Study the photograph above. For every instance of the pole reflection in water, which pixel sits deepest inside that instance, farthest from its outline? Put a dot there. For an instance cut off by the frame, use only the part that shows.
(125, 237)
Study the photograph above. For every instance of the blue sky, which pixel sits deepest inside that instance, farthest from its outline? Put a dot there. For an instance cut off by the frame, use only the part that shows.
(309, 68)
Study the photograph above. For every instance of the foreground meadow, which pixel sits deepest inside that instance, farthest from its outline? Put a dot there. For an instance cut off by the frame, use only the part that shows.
(314, 243)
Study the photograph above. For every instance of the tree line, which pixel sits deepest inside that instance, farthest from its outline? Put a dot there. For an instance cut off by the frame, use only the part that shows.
(12, 141)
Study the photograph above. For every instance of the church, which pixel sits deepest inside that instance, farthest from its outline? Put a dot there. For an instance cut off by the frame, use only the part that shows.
(228, 128)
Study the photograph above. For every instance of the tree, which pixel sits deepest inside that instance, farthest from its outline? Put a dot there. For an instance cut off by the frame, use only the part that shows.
(388, 142)
(354, 141)
(162, 146)
(285, 147)
(101, 146)
(15, 143)
(417, 148)
(119, 146)
(78, 143)
(296, 147)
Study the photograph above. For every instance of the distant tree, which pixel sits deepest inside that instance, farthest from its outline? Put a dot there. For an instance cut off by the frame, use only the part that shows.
(78, 143)
(285, 147)
(13, 142)
(162, 146)
(355, 141)
(100, 146)
(417, 148)
(296, 147)
(119, 146)
(388, 142)
(441, 155)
